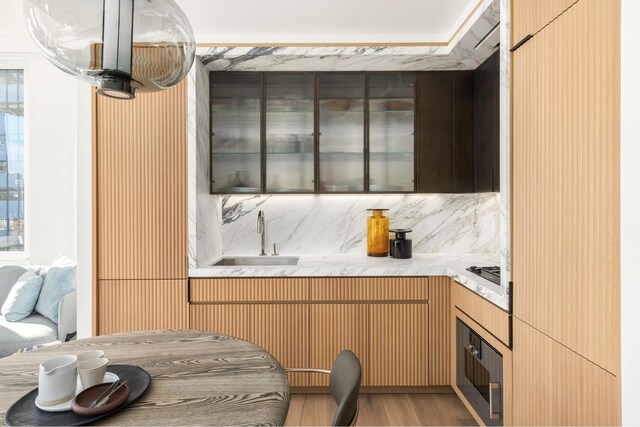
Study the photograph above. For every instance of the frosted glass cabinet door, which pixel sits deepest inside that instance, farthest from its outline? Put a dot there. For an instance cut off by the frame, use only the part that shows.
(391, 132)
(290, 132)
(235, 137)
(341, 146)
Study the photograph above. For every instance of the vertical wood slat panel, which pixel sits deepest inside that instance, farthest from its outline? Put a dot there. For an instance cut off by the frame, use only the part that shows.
(556, 386)
(229, 319)
(530, 16)
(369, 289)
(283, 330)
(439, 331)
(565, 183)
(134, 305)
(141, 169)
(247, 290)
(398, 345)
(335, 327)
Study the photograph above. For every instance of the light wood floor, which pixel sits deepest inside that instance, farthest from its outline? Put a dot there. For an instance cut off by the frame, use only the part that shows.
(431, 409)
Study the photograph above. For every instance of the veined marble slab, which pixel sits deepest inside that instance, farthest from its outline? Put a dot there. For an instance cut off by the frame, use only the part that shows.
(505, 143)
(205, 213)
(337, 224)
(452, 265)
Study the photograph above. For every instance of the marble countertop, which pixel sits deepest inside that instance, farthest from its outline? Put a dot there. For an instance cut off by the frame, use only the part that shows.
(348, 265)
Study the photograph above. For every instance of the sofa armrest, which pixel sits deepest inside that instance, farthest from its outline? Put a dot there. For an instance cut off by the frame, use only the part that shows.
(67, 316)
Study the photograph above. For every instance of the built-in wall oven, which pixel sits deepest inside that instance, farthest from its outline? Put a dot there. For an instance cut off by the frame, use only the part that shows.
(479, 374)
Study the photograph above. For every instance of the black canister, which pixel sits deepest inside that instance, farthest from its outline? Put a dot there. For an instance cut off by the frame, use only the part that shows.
(400, 246)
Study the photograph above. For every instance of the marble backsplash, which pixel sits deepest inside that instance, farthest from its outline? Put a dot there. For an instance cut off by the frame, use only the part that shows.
(332, 224)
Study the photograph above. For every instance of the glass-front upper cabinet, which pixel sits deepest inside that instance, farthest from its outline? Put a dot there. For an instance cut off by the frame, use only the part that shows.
(290, 132)
(235, 132)
(341, 132)
(391, 132)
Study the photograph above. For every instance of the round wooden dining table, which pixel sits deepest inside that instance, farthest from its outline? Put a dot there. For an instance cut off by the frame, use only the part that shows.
(197, 378)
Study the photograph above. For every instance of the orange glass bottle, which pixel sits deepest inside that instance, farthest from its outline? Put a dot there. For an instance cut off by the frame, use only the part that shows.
(378, 233)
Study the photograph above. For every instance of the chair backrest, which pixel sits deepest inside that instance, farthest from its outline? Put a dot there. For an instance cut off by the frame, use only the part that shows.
(344, 383)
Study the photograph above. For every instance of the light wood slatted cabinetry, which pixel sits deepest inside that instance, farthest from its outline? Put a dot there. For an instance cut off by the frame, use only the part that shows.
(565, 216)
(490, 316)
(530, 16)
(438, 335)
(228, 319)
(136, 305)
(401, 334)
(140, 205)
(335, 327)
(283, 330)
(556, 386)
(566, 181)
(141, 178)
(399, 353)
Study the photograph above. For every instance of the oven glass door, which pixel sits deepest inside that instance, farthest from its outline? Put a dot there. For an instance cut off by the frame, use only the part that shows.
(479, 374)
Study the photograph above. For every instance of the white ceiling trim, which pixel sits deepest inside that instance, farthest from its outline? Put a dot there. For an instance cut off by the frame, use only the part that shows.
(383, 31)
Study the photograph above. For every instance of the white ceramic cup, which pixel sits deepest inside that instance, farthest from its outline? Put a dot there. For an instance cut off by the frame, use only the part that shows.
(91, 354)
(57, 380)
(92, 372)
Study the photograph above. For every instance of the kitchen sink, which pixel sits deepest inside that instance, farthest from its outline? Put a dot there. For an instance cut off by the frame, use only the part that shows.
(257, 261)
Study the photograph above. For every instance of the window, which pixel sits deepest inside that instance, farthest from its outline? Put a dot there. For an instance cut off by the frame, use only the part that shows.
(11, 160)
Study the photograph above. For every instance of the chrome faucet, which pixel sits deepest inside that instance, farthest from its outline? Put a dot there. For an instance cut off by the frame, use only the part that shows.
(261, 230)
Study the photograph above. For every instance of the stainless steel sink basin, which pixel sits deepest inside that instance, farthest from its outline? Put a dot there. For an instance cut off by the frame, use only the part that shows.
(257, 261)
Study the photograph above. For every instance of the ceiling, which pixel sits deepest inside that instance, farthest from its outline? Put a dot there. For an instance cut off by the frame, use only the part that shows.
(326, 21)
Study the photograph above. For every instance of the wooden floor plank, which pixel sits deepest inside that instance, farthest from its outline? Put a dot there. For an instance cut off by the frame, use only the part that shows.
(432, 409)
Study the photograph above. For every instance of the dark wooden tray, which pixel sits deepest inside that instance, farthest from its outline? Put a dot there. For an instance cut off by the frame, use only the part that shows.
(25, 413)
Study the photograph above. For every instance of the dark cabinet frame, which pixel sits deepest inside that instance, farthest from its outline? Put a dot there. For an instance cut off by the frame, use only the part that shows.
(316, 131)
(461, 168)
(263, 131)
(487, 125)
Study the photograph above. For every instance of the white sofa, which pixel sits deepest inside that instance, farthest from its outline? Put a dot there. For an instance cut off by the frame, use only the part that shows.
(34, 329)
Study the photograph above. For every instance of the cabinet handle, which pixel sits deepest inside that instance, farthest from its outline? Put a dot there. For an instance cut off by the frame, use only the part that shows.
(493, 414)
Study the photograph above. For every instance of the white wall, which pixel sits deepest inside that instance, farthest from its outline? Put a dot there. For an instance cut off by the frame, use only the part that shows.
(50, 143)
(51, 135)
(630, 212)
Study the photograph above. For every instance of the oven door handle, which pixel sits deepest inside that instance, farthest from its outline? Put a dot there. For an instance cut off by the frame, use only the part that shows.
(493, 414)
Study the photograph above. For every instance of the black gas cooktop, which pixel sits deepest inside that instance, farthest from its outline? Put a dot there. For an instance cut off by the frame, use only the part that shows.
(490, 273)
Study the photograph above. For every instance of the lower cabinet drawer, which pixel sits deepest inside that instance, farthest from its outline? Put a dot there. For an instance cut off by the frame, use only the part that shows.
(241, 290)
(369, 289)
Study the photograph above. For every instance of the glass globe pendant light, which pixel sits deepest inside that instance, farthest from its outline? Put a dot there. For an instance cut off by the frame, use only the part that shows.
(120, 46)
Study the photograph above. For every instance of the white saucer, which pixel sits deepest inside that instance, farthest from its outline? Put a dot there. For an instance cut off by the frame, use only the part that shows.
(109, 377)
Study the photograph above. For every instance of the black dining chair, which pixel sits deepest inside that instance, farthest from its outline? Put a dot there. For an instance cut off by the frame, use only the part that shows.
(344, 383)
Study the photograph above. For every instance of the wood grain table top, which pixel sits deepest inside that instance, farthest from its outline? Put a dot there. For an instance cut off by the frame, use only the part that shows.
(197, 378)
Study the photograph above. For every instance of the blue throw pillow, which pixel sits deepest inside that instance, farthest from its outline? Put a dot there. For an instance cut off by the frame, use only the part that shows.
(22, 297)
(59, 281)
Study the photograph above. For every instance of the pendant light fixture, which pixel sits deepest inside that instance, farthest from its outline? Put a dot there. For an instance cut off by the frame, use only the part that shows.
(120, 46)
